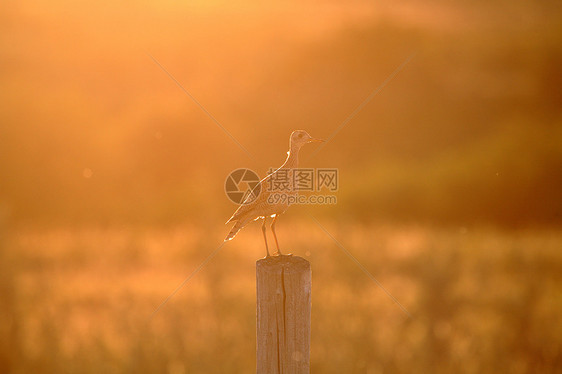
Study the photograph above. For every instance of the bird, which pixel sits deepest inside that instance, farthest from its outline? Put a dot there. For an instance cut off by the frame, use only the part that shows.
(259, 203)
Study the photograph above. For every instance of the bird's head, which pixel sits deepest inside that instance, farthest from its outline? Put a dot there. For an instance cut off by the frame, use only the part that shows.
(301, 137)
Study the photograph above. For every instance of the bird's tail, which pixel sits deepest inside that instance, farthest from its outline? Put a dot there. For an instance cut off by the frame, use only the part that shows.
(237, 227)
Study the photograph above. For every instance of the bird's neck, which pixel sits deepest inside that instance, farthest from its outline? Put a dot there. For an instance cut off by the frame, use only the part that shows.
(292, 160)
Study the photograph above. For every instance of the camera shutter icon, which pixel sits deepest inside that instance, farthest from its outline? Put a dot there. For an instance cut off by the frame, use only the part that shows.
(242, 186)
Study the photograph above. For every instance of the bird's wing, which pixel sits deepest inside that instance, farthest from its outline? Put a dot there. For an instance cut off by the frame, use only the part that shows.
(238, 213)
(248, 206)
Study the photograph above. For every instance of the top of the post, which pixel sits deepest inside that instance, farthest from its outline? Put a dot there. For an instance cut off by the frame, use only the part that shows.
(292, 262)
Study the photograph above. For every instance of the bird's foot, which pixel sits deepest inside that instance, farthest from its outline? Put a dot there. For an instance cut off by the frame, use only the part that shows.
(279, 254)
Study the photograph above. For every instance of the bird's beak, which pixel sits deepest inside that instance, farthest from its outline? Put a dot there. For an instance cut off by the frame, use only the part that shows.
(316, 140)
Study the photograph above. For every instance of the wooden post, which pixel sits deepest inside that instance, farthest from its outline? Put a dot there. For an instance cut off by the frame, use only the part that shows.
(283, 315)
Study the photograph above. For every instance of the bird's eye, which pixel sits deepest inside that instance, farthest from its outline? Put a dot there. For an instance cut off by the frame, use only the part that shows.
(300, 135)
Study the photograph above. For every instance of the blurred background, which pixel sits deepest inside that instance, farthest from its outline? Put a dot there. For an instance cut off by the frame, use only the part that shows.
(112, 182)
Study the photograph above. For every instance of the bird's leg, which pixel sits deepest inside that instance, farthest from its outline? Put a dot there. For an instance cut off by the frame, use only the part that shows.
(275, 235)
(265, 236)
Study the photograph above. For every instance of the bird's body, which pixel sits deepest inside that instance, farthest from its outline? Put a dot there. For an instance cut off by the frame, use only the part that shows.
(266, 203)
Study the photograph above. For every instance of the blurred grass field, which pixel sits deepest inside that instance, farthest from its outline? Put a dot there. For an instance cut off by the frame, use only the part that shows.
(482, 300)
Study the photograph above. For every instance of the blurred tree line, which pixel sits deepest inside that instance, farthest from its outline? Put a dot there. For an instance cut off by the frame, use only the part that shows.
(469, 130)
